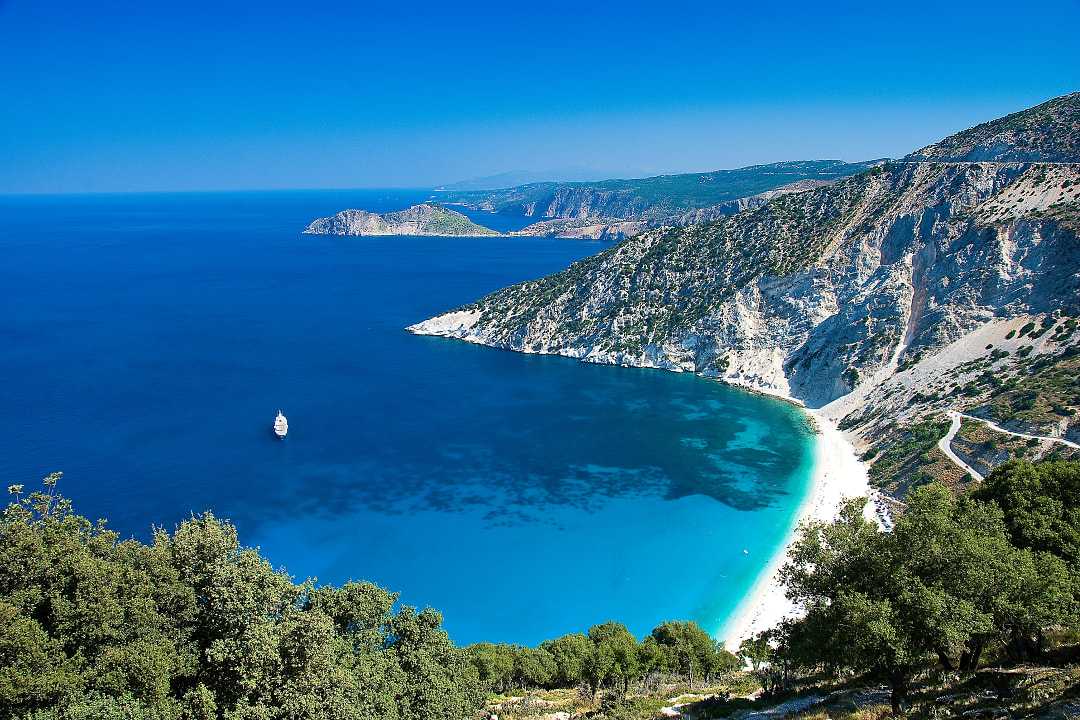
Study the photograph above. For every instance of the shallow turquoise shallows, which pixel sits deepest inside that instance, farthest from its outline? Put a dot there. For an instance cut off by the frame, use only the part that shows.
(149, 341)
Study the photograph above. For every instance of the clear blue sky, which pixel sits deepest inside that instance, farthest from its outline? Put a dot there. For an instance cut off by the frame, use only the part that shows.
(106, 96)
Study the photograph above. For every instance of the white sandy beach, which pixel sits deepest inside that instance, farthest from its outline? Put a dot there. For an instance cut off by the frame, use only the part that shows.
(838, 475)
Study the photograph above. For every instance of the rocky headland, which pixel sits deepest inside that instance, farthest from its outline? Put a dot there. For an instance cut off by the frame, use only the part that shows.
(423, 219)
(886, 302)
(947, 280)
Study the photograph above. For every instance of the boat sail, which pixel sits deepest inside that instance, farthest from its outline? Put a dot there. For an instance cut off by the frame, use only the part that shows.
(281, 425)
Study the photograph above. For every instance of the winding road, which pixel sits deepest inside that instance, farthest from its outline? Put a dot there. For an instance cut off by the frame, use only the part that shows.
(994, 426)
(945, 446)
(945, 443)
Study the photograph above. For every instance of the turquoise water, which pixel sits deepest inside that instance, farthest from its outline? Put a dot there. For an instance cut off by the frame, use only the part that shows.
(149, 340)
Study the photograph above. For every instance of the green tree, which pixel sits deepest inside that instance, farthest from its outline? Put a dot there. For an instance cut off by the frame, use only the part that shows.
(85, 614)
(440, 682)
(720, 662)
(1041, 503)
(195, 627)
(769, 656)
(944, 582)
(652, 658)
(689, 649)
(533, 667)
(570, 653)
(1040, 506)
(494, 663)
(614, 658)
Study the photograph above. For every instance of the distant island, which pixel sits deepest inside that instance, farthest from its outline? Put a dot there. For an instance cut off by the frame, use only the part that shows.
(423, 219)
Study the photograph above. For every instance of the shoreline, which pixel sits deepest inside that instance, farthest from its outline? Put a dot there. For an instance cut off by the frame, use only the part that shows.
(838, 475)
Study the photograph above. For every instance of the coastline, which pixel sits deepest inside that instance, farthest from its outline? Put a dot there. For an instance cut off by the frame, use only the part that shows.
(838, 475)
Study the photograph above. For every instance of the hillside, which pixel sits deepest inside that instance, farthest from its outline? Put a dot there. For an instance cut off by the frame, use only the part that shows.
(425, 219)
(886, 298)
(1049, 132)
(567, 208)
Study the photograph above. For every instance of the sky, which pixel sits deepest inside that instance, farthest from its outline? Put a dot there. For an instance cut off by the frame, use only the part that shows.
(109, 96)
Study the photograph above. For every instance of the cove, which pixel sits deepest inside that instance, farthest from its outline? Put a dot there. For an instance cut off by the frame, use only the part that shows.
(151, 338)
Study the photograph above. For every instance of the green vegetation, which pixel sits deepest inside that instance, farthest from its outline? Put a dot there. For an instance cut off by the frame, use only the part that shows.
(438, 220)
(1044, 392)
(1041, 503)
(194, 627)
(608, 657)
(959, 578)
(909, 457)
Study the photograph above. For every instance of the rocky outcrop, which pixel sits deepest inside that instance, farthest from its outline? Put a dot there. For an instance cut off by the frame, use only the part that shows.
(425, 219)
(843, 291)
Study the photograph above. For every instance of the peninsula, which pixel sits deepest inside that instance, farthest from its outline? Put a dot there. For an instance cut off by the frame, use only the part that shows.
(617, 209)
(943, 282)
(423, 219)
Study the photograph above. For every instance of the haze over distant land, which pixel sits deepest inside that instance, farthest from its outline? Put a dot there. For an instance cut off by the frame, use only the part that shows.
(613, 209)
(138, 97)
(514, 178)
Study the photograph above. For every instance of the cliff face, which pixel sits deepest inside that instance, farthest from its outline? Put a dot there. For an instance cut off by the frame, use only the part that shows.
(426, 219)
(812, 291)
(603, 228)
(578, 209)
(850, 287)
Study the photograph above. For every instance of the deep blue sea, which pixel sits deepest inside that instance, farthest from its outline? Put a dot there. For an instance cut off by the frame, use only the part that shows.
(147, 341)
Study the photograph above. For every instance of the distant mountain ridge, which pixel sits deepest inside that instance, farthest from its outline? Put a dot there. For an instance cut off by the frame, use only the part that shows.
(424, 219)
(585, 208)
(886, 298)
(515, 178)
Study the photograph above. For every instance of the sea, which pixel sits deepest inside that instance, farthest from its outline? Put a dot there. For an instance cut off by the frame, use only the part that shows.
(148, 340)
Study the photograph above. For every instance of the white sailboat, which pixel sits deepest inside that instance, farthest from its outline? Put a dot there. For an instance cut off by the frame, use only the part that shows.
(281, 425)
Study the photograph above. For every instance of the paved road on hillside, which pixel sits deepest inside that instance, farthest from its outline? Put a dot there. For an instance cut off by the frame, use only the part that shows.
(944, 444)
(994, 426)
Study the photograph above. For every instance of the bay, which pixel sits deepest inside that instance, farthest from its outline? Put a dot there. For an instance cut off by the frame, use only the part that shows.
(148, 341)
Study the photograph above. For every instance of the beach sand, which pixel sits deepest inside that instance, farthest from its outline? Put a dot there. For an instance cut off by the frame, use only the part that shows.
(838, 476)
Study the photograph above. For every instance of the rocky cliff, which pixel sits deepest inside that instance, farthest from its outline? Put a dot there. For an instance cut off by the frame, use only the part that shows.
(884, 295)
(620, 208)
(425, 219)
(605, 228)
